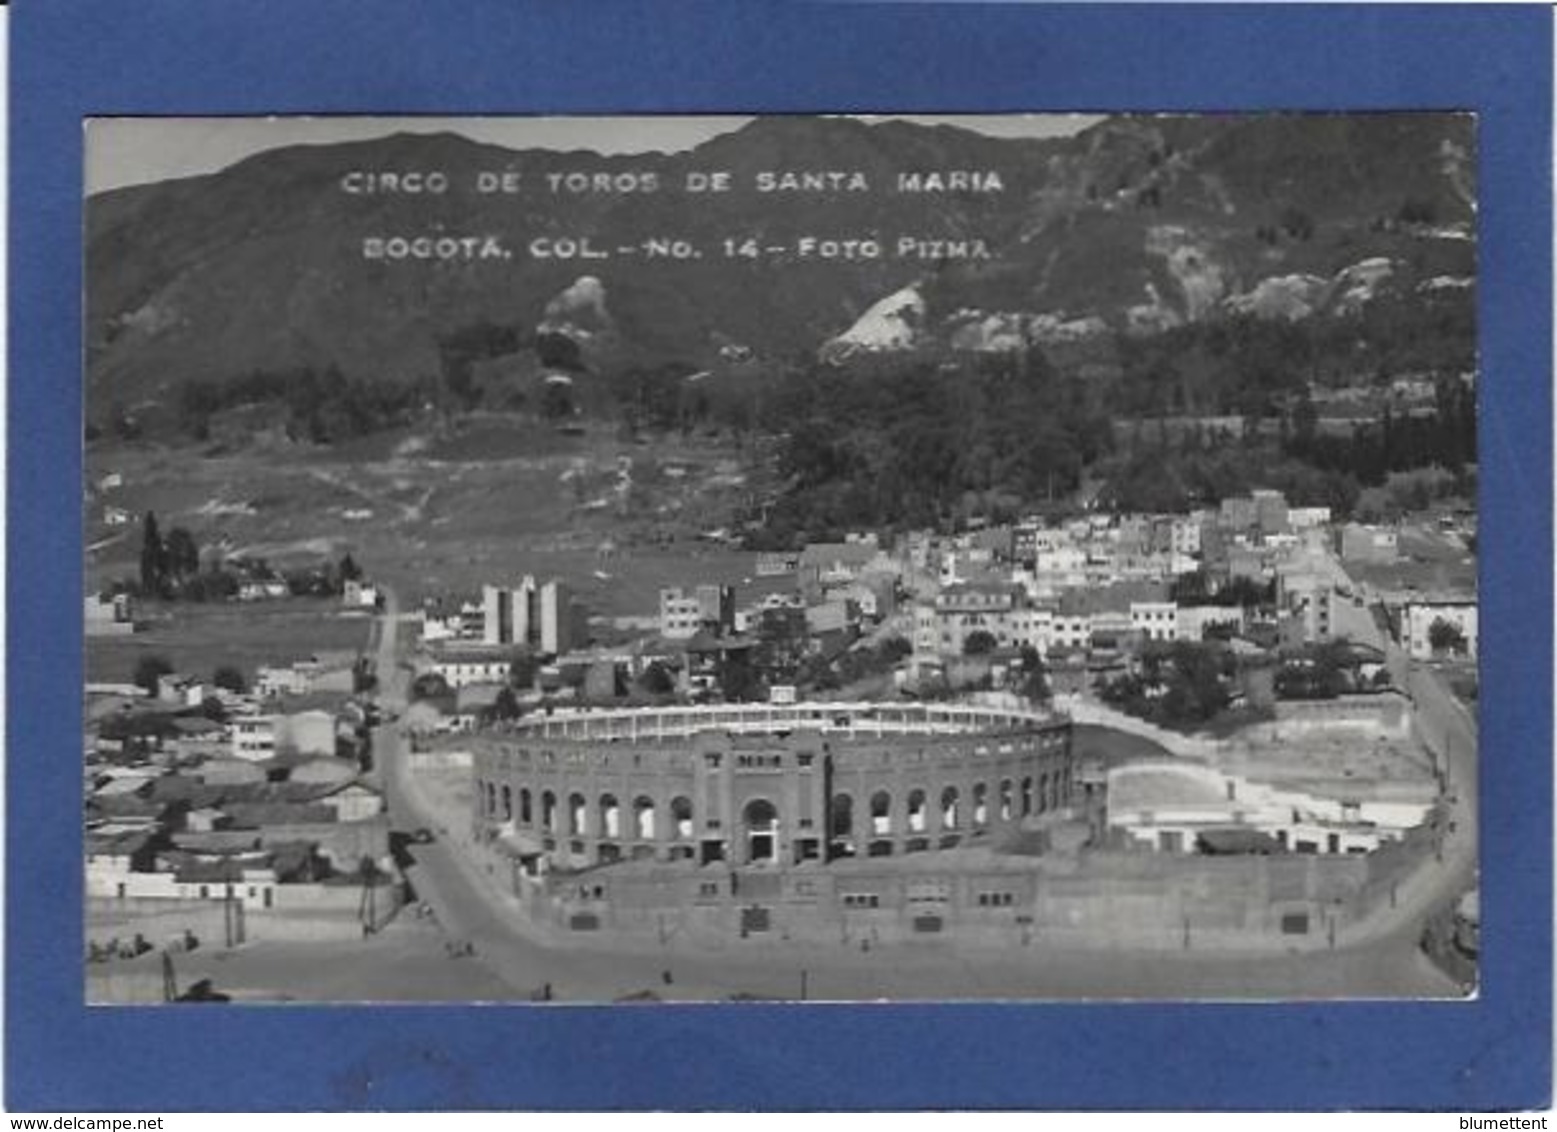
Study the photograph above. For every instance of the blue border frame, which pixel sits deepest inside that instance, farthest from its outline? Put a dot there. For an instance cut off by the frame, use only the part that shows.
(74, 58)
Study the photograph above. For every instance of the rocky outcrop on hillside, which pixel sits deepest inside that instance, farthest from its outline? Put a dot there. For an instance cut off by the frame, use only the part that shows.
(287, 260)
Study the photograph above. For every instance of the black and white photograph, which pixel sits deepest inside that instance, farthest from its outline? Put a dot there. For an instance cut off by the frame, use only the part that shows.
(828, 558)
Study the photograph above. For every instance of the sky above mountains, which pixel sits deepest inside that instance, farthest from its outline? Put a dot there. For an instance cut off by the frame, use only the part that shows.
(132, 151)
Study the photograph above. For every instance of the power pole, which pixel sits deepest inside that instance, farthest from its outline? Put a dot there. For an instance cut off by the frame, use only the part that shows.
(367, 906)
(169, 982)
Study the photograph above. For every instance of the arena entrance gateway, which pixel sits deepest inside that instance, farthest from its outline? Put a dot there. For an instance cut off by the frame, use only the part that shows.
(760, 821)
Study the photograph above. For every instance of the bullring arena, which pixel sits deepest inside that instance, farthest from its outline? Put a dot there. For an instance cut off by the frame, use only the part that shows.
(770, 785)
(860, 823)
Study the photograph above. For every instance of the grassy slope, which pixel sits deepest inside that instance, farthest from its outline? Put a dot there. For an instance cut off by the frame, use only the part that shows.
(442, 512)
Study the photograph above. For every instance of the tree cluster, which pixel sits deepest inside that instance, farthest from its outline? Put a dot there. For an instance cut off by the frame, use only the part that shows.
(1034, 679)
(917, 441)
(1324, 671)
(1198, 588)
(1446, 637)
(167, 564)
(461, 348)
(1179, 685)
(319, 406)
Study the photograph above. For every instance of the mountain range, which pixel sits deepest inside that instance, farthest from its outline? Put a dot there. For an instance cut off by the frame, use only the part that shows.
(309, 255)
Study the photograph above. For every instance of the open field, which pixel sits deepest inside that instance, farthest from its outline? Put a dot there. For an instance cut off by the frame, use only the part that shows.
(441, 510)
(198, 637)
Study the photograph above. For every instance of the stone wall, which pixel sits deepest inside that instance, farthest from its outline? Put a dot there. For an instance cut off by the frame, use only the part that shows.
(1101, 715)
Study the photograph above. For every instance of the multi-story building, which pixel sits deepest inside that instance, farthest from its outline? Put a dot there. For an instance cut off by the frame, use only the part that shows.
(556, 618)
(506, 613)
(1270, 511)
(1071, 628)
(463, 667)
(706, 608)
(1309, 599)
(539, 616)
(1184, 535)
(254, 737)
(259, 737)
(958, 612)
(1155, 620)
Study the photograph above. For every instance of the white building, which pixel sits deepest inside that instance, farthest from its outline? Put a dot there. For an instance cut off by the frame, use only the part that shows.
(685, 611)
(556, 619)
(1169, 806)
(329, 672)
(1155, 620)
(254, 737)
(1307, 518)
(961, 611)
(1194, 620)
(441, 626)
(458, 671)
(1417, 619)
(109, 615)
(357, 594)
(536, 615)
(505, 613)
(1184, 535)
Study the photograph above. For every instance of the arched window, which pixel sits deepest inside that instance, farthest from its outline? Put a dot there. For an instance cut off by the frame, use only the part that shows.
(916, 811)
(980, 805)
(526, 816)
(681, 818)
(760, 814)
(1054, 791)
(950, 808)
(880, 812)
(1027, 796)
(643, 818)
(760, 817)
(508, 803)
(1043, 792)
(610, 817)
(841, 819)
(491, 800)
(549, 812)
(1005, 799)
(578, 818)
